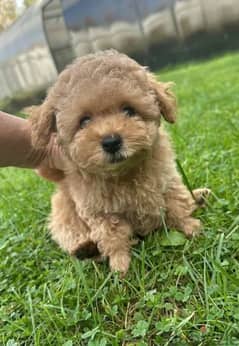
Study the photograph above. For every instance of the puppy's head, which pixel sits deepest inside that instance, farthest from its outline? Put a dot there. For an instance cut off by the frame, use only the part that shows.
(106, 110)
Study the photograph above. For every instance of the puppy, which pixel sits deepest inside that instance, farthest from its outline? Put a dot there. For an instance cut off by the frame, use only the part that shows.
(121, 178)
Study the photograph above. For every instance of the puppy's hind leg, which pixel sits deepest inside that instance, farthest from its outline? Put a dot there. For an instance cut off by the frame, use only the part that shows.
(201, 195)
(179, 208)
(68, 229)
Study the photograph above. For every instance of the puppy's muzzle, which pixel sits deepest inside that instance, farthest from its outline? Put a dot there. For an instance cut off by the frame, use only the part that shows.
(112, 143)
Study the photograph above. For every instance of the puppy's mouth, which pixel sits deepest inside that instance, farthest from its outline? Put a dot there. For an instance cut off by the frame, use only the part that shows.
(116, 158)
(122, 162)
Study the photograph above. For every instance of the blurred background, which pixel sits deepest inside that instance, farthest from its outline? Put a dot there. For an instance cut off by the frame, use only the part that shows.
(39, 38)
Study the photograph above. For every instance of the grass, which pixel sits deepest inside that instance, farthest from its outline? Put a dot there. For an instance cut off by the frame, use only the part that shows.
(184, 294)
(21, 100)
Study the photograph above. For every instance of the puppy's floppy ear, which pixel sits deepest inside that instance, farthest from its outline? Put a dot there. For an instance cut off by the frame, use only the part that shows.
(43, 124)
(165, 98)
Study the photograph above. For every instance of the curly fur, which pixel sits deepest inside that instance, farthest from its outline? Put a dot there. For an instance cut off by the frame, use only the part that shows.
(102, 204)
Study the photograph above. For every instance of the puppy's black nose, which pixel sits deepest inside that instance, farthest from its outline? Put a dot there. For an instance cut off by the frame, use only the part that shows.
(111, 144)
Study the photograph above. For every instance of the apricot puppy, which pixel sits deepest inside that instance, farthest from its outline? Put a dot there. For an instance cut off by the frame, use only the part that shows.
(121, 178)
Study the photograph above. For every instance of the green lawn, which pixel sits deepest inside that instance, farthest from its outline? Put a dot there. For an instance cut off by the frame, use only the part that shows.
(173, 295)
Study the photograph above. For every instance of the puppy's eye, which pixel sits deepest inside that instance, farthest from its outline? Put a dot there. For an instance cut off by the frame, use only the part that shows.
(84, 121)
(129, 111)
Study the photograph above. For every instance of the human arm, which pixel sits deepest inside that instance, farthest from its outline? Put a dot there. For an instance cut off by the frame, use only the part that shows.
(16, 148)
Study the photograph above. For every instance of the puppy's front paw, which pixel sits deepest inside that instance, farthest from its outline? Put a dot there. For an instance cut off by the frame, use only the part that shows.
(192, 227)
(120, 263)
